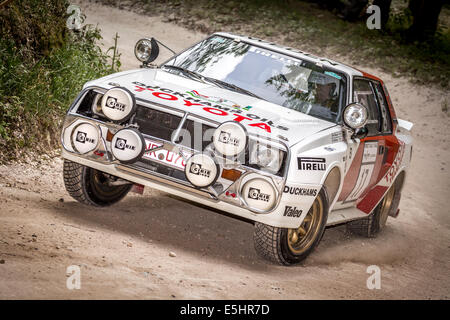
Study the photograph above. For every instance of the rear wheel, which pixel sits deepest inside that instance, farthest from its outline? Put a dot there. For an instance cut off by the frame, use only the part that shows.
(92, 187)
(376, 221)
(290, 246)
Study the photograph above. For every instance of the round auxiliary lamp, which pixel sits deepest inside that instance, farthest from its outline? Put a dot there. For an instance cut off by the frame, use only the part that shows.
(128, 145)
(201, 170)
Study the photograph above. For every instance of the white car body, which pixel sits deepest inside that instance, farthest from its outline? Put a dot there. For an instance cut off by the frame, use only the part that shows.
(356, 173)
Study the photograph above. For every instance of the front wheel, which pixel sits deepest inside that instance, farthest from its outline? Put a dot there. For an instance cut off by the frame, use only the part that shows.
(290, 246)
(92, 187)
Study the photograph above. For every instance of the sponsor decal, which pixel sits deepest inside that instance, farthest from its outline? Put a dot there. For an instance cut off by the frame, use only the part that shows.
(195, 94)
(121, 144)
(226, 138)
(370, 152)
(334, 75)
(256, 194)
(316, 164)
(390, 175)
(197, 169)
(337, 137)
(366, 169)
(300, 191)
(275, 56)
(224, 102)
(212, 105)
(112, 103)
(82, 137)
(292, 212)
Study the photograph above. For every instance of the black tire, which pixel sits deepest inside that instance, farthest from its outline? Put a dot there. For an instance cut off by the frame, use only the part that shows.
(89, 186)
(274, 244)
(371, 226)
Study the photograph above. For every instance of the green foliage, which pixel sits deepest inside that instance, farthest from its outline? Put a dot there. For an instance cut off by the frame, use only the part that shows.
(304, 25)
(35, 26)
(39, 79)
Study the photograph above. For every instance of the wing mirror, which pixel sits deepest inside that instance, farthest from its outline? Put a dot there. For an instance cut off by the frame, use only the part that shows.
(355, 116)
(147, 50)
(360, 133)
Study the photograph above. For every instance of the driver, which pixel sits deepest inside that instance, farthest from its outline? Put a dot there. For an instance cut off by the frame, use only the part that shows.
(325, 95)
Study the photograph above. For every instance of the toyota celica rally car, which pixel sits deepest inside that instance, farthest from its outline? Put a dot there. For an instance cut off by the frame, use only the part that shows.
(276, 136)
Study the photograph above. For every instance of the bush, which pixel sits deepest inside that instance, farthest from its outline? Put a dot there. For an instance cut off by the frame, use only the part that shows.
(43, 66)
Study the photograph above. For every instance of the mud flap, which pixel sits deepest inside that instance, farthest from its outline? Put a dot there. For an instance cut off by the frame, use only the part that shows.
(137, 188)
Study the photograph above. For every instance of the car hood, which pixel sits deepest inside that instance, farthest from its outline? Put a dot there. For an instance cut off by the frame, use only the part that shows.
(216, 104)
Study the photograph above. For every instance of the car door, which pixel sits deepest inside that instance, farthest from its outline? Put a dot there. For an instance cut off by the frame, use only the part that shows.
(368, 163)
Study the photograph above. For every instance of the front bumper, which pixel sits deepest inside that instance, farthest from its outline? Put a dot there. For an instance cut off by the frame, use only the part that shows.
(276, 218)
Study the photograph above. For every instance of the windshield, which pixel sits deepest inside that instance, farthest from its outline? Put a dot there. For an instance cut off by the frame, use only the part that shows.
(290, 82)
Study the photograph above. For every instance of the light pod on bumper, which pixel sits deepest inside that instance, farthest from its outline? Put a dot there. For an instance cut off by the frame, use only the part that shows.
(259, 194)
(201, 170)
(230, 138)
(85, 138)
(128, 145)
(118, 104)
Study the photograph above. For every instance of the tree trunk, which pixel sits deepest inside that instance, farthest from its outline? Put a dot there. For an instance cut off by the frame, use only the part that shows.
(354, 10)
(425, 18)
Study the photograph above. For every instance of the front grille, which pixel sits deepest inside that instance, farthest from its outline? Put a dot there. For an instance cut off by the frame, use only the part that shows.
(161, 125)
(156, 123)
(196, 135)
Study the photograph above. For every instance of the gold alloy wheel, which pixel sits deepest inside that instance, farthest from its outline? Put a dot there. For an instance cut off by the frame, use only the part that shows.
(386, 206)
(299, 240)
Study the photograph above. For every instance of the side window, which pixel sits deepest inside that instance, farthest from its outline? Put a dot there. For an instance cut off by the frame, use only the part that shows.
(363, 93)
(386, 125)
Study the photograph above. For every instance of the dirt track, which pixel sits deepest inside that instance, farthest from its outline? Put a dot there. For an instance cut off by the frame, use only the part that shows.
(124, 250)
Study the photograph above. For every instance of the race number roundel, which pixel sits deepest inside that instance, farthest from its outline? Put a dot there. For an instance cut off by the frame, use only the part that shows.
(128, 145)
(201, 170)
(259, 194)
(230, 138)
(118, 104)
(85, 138)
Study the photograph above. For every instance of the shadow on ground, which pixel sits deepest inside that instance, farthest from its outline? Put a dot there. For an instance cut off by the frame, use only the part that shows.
(182, 226)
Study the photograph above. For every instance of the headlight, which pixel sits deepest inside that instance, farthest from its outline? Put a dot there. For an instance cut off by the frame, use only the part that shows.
(355, 115)
(230, 138)
(118, 104)
(266, 157)
(96, 106)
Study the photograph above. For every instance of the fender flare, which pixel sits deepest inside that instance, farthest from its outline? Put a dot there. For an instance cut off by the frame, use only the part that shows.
(333, 180)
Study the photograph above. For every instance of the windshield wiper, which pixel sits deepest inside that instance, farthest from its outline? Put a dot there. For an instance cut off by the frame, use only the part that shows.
(187, 72)
(231, 86)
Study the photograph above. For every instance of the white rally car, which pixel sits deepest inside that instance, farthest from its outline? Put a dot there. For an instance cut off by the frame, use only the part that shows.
(287, 140)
